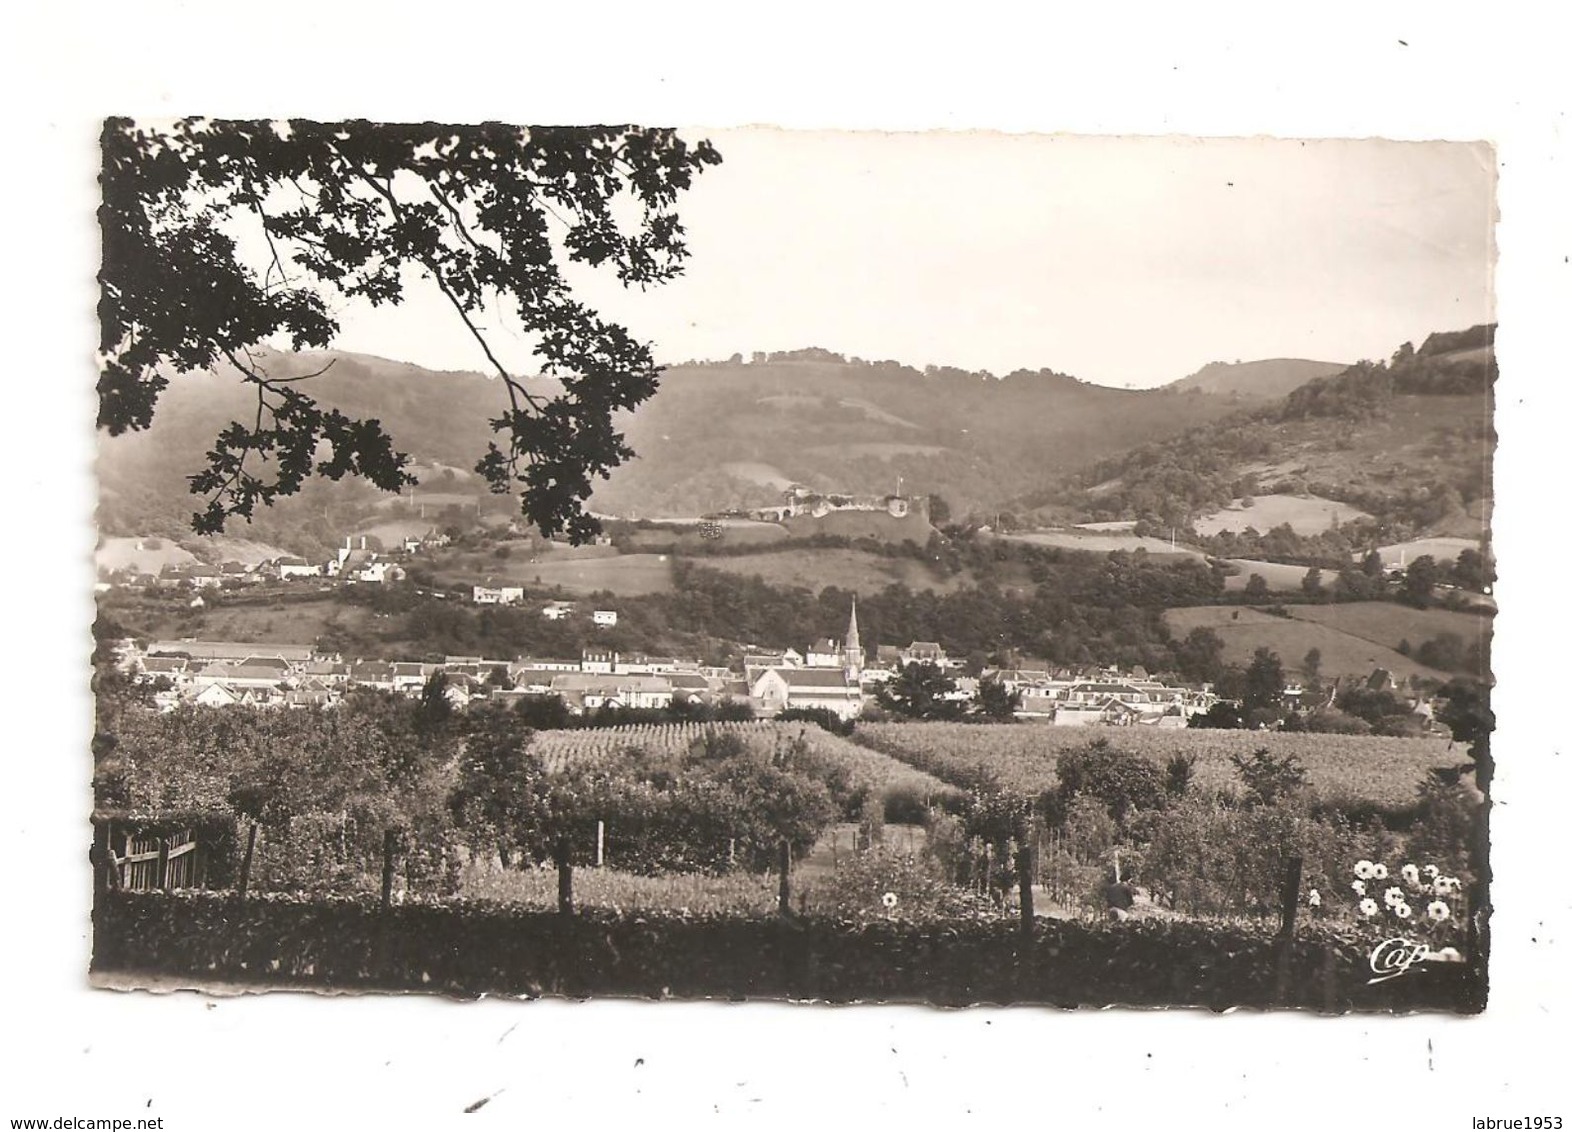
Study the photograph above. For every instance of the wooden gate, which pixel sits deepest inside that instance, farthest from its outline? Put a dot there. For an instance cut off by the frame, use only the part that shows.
(144, 862)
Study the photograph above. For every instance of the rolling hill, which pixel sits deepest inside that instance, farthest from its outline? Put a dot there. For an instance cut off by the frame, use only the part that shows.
(1408, 443)
(1266, 380)
(716, 436)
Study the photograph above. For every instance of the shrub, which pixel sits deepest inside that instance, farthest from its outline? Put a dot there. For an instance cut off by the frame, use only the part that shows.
(1268, 777)
(1178, 772)
(1120, 780)
(905, 805)
(882, 885)
(823, 717)
(1330, 721)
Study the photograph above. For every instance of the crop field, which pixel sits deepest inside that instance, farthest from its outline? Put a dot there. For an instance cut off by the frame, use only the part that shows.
(1102, 543)
(121, 553)
(394, 531)
(1243, 630)
(630, 574)
(1389, 624)
(296, 620)
(1384, 772)
(848, 569)
(685, 534)
(1306, 514)
(1277, 575)
(1441, 549)
(879, 772)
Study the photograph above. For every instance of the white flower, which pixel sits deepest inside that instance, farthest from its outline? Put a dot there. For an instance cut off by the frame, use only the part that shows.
(1393, 896)
(1315, 898)
(1359, 887)
(1438, 910)
(1431, 871)
(890, 900)
(1411, 874)
(1402, 911)
(1378, 871)
(1364, 870)
(1367, 907)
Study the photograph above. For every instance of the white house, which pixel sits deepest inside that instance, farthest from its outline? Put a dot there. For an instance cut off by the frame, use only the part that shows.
(604, 618)
(778, 689)
(557, 610)
(498, 595)
(825, 653)
(296, 568)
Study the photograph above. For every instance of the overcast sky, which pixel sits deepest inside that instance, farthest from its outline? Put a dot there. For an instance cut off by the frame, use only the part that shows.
(1118, 260)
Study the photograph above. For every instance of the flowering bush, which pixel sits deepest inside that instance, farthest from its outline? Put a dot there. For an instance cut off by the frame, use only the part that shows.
(1419, 901)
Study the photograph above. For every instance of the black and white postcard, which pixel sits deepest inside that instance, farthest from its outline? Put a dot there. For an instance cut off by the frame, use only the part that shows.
(608, 575)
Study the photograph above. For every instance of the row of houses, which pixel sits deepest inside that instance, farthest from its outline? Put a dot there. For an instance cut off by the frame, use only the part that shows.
(829, 675)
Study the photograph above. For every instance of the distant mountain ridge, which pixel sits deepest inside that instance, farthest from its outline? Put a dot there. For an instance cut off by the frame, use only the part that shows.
(721, 436)
(716, 436)
(1268, 379)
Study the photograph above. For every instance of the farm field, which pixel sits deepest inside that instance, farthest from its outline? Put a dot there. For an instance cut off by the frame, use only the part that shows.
(878, 772)
(848, 569)
(685, 534)
(394, 531)
(1306, 514)
(1389, 624)
(247, 551)
(631, 574)
(1244, 630)
(1101, 543)
(298, 620)
(1441, 549)
(1381, 771)
(1277, 575)
(123, 553)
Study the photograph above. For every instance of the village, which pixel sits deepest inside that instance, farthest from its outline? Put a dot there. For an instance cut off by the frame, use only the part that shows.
(839, 677)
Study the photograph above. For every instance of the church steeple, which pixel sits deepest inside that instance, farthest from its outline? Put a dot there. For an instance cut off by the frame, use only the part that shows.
(853, 644)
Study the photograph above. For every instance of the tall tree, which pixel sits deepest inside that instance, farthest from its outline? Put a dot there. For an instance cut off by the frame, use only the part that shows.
(918, 691)
(994, 699)
(347, 213)
(1264, 681)
(1419, 580)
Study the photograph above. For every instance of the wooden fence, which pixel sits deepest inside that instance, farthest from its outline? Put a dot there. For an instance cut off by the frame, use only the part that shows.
(144, 862)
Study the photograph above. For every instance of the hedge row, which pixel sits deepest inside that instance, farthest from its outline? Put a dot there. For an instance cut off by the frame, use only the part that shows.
(469, 948)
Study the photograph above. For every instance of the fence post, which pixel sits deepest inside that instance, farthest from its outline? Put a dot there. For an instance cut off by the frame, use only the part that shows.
(1289, 894)
(1285, 936)
(564, 862)
(245, 864)
(161, 880)
(785, 867)
(389, 850)
(1024, 866)
(100, 857)
(600, 843)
